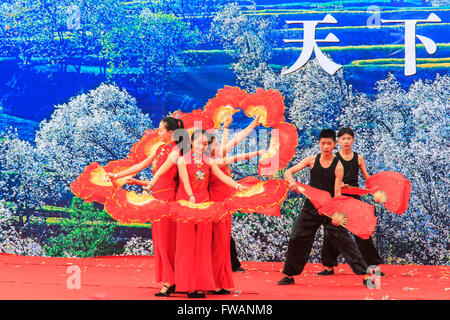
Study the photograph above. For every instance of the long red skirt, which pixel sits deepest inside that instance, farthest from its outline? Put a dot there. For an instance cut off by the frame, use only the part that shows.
(221, 260)
(164, 234)
(193, 263)
(221, 238)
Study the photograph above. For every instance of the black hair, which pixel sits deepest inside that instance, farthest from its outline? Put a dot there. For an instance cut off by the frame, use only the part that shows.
(345, 130)
(327, 133)
(173, 124)
(180, 135)
(199, 132)
(211, 138)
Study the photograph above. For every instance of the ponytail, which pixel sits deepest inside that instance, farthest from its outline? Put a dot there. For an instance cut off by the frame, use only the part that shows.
(180, 135)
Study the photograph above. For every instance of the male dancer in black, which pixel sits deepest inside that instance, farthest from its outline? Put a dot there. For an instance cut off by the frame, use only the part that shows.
(326, 174)
(352, 163)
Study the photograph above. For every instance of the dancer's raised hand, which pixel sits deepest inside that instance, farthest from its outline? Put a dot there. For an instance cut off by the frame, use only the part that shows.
(228, 121)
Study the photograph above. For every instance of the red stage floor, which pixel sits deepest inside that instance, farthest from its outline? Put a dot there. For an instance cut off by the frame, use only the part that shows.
(132, 277)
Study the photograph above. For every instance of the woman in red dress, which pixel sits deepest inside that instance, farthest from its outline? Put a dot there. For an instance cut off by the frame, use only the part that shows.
(164, 186)
(218, 191)
(193, 258)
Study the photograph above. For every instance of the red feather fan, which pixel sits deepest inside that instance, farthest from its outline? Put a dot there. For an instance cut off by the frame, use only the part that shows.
(146, 147)
(197, 119)
(268, 104)
(262, 196)
(354, 191)
(93, 185)
(317, 197)
(391, 189)
(185, 211)
(356, 216)
(129, 207)
(224, 104)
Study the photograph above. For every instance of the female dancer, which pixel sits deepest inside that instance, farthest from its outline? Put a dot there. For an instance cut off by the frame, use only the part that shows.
(193, 258)
(218, 191)
(164, 186)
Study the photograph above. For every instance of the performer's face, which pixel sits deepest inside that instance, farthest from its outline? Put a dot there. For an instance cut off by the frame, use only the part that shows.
(327, 145)
(214, 146)
(200, 144)
(163, 133)
(346, 141)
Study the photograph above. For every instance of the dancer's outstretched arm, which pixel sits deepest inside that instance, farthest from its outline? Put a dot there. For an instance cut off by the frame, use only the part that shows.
(239, 157)
(226, 179)
(137, 182)
(223, 145)
(238, 137)
(172, 160)
(307, 162)
(132, 170)
(184, 177)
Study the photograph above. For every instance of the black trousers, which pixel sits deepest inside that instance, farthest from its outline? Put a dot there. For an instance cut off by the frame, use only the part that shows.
(330, 252)
(302, 239)
(233, 253)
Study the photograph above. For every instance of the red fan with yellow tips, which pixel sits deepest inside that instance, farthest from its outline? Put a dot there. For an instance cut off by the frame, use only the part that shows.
(267, 104)
(94, 185)
(185, 211)
(261, 197)
(117, 166)
(130, 207)
(146, 147)
(356, 216)
(197, 119)
(317, 197)
(391, 189)
(282, 147)
(224, 104)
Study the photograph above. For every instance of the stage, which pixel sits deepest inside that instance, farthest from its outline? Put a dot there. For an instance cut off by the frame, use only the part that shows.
(132, 278)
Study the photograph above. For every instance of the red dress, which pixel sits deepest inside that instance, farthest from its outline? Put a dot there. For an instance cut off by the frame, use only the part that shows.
(164, 231)
(193, 265)
(221, 234)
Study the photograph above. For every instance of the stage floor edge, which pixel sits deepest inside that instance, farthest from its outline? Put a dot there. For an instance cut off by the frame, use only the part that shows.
(132, 278)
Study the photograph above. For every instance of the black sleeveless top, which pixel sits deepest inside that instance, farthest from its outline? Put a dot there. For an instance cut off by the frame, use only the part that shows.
(351, 169)
(322, 178)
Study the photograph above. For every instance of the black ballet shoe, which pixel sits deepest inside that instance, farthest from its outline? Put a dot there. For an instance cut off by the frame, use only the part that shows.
(238, 269)
(326, 272)
(167, 293)
(220, 292)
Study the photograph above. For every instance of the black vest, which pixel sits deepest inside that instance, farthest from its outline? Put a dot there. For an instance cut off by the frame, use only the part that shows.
(322, 178)
(351, 169)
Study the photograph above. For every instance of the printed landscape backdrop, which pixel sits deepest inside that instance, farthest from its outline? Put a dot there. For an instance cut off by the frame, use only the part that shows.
(80, 81)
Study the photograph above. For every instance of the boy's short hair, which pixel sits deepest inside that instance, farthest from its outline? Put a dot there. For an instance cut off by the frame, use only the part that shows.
(327, 133)
(345, 130)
